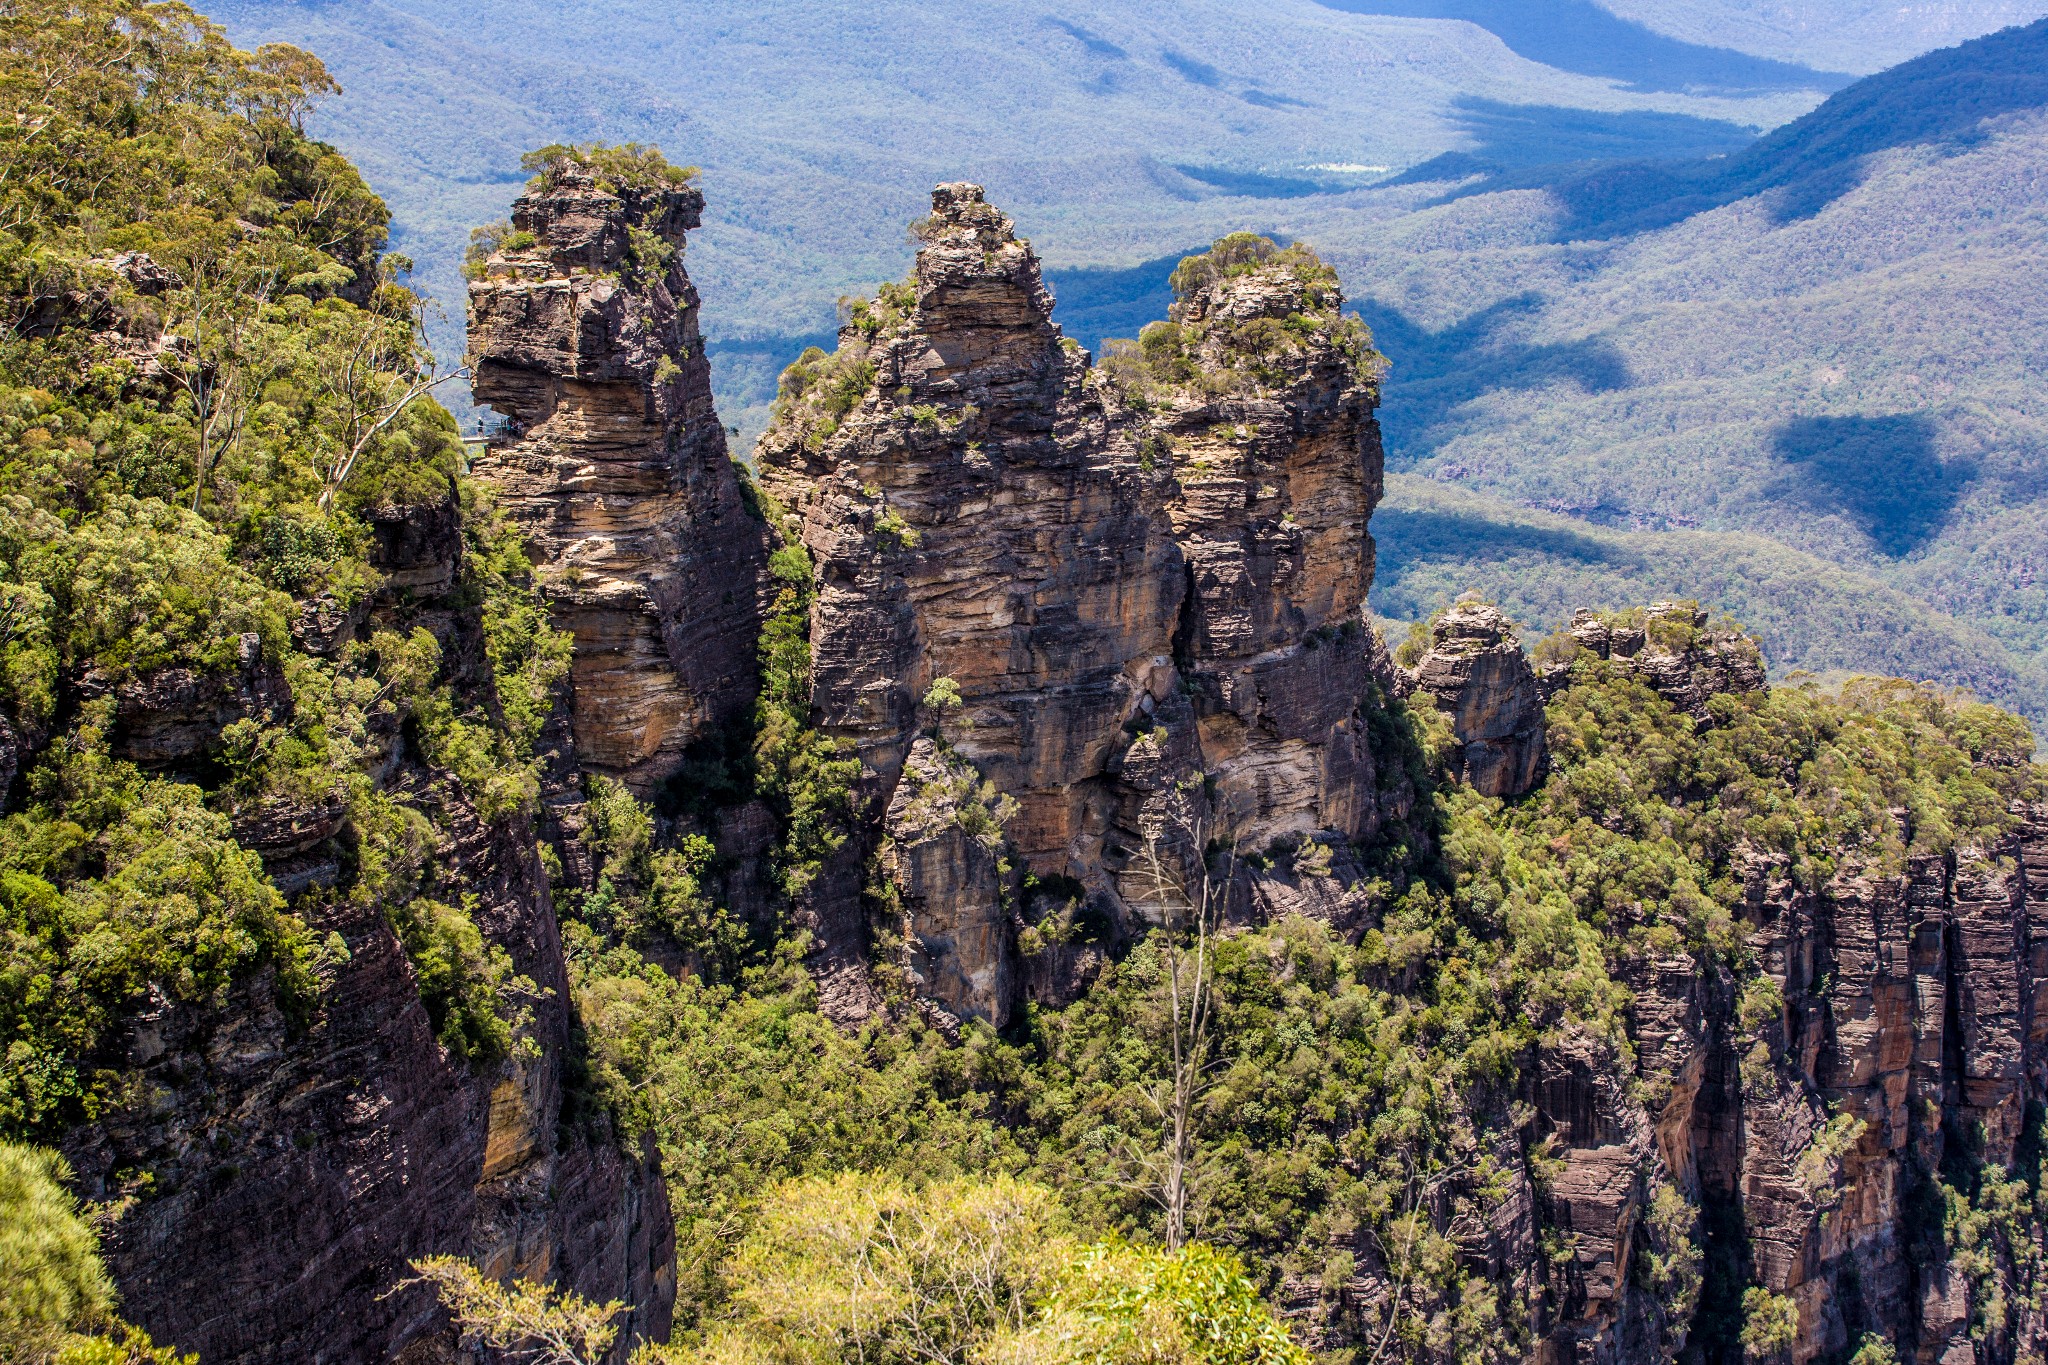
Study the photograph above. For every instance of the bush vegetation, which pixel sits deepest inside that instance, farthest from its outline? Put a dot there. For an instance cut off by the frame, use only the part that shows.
(213, 384)
(616, 170)
(1195, 353)
(56, 1300)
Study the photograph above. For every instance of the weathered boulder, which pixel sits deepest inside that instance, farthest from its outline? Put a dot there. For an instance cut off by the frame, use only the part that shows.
(943, 855)
(1674, 650)
(1476, 672)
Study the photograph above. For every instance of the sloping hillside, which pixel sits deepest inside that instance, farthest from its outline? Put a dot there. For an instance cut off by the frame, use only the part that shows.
(1121, 133)
(1840, 352)
(1843, 35)
(1437, 541)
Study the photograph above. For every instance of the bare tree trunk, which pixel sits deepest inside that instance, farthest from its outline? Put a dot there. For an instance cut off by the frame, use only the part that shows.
(1191, 910)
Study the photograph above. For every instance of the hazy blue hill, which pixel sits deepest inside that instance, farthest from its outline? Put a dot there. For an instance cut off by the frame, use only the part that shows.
(1941, 100)
(1115, 133)
(1846, 359)
(1579, 35)
(1436, 542)
(1838, 35)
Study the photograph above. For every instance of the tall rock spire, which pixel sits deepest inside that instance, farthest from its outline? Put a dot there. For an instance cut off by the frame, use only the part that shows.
(584, 335)
(1145, 580)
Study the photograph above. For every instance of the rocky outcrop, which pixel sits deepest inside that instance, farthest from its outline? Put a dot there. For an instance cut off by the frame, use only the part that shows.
(279, 1174)
(942, 854)
(1476, 672)
(1145, 580)
(283, 1161)
(584, 335)
(1802, 1119)
(1672, 649)
(174, 717)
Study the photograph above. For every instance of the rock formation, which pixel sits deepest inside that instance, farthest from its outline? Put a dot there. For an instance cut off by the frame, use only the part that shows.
(1146, 582)
(1096, 636)
(1475, 671)
(1671, 647)
(295, 1166)
(1805, 1124)
(583, 332)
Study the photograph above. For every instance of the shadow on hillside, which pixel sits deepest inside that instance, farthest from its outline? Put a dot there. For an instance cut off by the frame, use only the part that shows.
(1581, 36)
(1258, 185)
(1881, 473)
(1616, 175)
(1530, 146)
(1094, 302)
(1435, 373)
(1940, 100)
(1408, 535)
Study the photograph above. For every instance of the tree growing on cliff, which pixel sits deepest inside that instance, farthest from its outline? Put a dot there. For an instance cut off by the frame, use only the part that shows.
(530, 1323)
(1188, 896)
(56, 1299)
(942, 696)
(1770, 1324)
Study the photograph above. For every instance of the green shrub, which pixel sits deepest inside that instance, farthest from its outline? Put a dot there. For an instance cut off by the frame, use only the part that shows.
(617, 169)
(112, 884)
(1121, 1304)
(51, 1281)
(1770, 1323)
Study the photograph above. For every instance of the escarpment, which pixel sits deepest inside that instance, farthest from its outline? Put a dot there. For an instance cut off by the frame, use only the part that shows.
(286, 1150)
(381, 849)
(1846, 1130)
(584, 335)
(1128, 599)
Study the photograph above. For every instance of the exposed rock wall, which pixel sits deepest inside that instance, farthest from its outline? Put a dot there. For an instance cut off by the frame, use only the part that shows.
(1476, 672)
(584, 335)
(1673, 650)
(1148, 595)
(278, 1174)
(1806, 1127)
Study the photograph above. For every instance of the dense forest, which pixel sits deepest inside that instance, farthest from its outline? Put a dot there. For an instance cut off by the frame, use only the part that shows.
(375, 983)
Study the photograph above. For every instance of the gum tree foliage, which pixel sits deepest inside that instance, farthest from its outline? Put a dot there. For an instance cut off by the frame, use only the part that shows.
(56, 1301)
(211, 381)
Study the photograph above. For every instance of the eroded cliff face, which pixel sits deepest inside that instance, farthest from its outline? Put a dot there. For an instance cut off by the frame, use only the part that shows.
(1674, 650)
(1147, 593)
(1806, 1123)
(583, 332)
(1475, 671)
(277, 1171)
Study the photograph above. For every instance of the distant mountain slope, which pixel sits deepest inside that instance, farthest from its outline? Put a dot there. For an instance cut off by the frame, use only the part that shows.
(1843, 352)
(1579, 35)
(1437, 541)
(1116, 133)
(1838, 35)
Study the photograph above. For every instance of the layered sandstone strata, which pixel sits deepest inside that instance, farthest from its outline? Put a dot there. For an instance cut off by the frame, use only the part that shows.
(584, 335)
(296, 1166)
(1476, 672)
(1145, 581)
